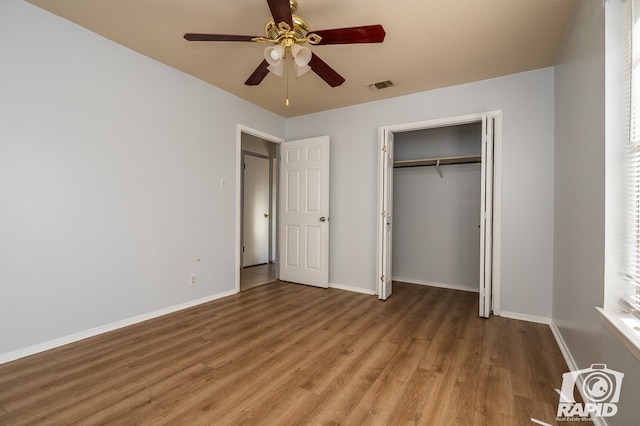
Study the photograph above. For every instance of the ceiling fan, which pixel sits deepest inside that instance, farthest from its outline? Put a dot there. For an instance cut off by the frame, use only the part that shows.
(287, 33)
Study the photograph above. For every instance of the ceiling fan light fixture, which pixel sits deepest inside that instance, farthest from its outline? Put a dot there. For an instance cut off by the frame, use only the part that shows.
(277, 69)
(302, 55)
(274, 54)
(300, 70)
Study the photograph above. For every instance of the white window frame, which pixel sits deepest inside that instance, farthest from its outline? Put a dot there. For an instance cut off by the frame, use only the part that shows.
(618, 118)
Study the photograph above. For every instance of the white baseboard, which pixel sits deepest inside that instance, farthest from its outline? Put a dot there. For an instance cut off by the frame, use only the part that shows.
(352, 289)
(51, 344)
(525, 317)
(434, 284)
(571, 363)
(566, 354)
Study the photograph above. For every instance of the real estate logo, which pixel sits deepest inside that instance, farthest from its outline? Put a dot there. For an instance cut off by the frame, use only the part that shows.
(599, 387)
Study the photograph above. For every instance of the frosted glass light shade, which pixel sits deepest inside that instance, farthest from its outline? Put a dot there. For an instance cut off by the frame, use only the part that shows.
(302, 69)
(302, 55)
(274, 54)
(277, 69)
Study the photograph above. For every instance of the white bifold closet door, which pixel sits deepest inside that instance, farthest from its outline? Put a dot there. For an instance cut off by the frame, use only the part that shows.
(385, 218)
(486, 216)
(385, 208)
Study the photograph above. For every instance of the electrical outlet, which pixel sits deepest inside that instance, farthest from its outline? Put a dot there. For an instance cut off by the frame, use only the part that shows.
(193, 280)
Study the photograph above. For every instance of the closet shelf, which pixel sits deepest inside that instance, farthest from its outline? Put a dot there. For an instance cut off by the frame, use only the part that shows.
(441, 161)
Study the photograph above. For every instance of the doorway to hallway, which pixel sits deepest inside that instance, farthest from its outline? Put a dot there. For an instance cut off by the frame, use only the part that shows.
(258, 211)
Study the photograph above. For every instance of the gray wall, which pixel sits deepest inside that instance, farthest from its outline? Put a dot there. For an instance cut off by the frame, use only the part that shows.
(580, 195)
(447, 141)
(579, 183)
(110, 170)
(526, 100)
(436, 235)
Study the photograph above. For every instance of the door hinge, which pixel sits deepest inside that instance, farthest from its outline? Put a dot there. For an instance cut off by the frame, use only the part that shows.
(383, 214)
(243, 249)
(381, 277)
(384, 148)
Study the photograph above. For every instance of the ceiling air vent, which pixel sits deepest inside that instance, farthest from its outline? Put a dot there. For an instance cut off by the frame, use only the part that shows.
(380, 85)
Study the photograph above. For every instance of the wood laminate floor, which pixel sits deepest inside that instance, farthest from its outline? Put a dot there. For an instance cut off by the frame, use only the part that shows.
(287, 354)
(254, 276)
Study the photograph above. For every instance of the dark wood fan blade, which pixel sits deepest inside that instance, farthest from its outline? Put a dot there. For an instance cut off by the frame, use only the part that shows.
(365, 34)
(281, 11)
(325, 72)
(258, 75)
(217, 37)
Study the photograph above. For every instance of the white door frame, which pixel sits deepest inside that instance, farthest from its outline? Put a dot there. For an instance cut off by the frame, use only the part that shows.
(240, 129)
(497, 187)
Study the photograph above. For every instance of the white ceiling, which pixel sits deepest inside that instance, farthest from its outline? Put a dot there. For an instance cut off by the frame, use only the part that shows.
(429, 43)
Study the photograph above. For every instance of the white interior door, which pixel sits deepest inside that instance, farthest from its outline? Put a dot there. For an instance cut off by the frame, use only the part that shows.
(385, 212)
(256, 211)
(304, 211)
(486, 216)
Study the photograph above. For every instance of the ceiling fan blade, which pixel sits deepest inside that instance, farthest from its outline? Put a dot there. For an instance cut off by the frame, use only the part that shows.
(281, 11)
(217, 37)
(325, 72)
(259, 74)
(365, 34)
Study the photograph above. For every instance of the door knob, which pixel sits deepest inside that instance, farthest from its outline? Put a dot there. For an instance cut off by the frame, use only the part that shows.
(266, 215)
(323, 219)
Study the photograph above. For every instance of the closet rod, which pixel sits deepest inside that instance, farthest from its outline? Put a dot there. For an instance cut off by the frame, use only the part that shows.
(441, 161)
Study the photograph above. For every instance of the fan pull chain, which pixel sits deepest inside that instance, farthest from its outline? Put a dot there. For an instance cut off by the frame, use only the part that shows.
(286, 75)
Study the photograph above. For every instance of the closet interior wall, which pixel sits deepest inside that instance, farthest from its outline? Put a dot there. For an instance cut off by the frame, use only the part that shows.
(436, 239)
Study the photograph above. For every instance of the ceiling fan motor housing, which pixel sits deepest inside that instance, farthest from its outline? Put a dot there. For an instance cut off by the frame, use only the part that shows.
(281, 33)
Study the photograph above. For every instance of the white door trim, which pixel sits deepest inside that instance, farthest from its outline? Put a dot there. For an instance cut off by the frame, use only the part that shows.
(497, 183)
(240, 129)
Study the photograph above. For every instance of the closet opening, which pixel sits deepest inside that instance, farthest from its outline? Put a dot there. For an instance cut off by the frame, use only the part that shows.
(436, 201)
(436, 205)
